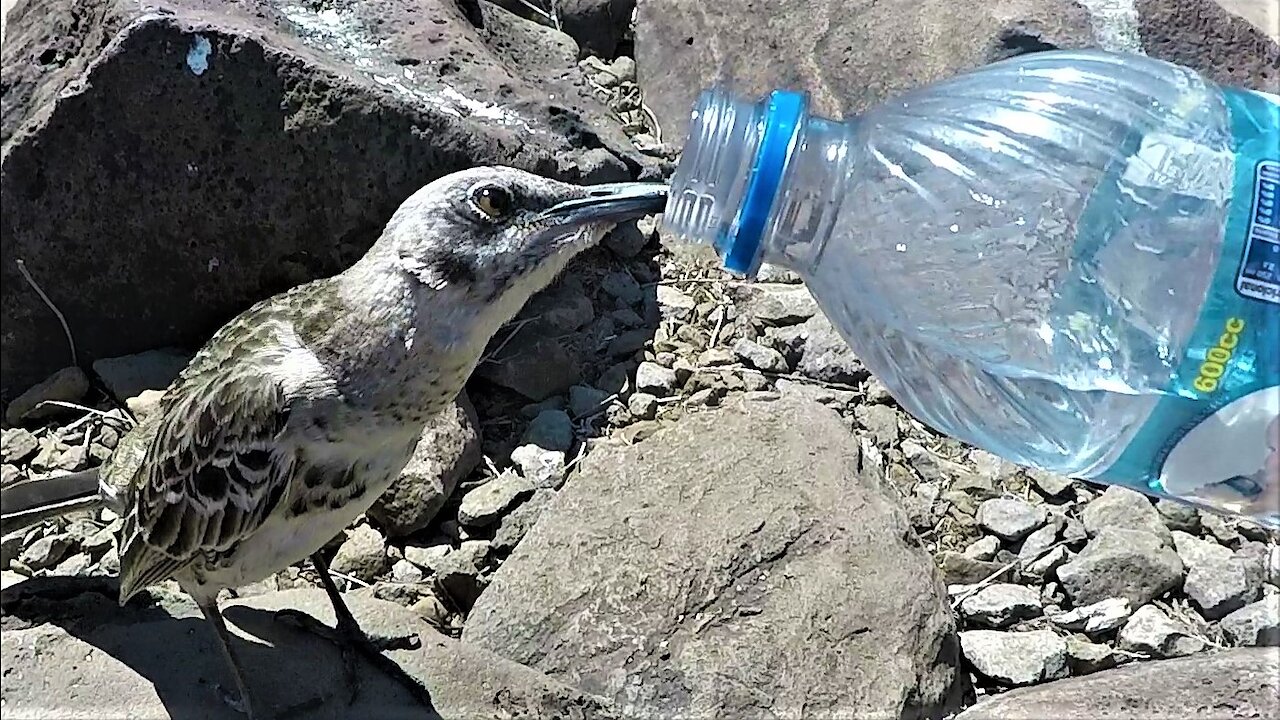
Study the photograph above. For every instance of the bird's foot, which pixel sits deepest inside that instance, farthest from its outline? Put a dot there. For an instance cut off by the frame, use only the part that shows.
(352, 641)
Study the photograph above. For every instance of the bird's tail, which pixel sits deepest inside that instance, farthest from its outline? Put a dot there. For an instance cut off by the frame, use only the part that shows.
(27, 502)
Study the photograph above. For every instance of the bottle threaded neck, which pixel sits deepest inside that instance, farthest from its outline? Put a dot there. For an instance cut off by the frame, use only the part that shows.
(723, 191)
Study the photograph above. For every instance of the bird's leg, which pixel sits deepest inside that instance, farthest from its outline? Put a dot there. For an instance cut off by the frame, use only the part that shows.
(350, 637)
(214, 617)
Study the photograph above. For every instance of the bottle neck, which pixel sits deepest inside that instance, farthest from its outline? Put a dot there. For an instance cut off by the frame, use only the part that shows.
(758, 181)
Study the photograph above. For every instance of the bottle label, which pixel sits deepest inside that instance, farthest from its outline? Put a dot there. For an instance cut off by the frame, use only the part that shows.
(1215, 439)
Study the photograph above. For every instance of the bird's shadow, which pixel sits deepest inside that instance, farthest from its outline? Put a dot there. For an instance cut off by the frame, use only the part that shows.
(163, 639)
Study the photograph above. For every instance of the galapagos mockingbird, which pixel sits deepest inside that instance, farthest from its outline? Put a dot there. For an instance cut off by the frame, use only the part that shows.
(299, 412)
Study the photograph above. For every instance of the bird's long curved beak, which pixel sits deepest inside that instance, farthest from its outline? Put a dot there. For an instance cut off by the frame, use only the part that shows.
(614, 202)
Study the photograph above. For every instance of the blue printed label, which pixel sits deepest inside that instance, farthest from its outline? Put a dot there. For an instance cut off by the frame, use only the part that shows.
(1215, 440)
(1259, 275)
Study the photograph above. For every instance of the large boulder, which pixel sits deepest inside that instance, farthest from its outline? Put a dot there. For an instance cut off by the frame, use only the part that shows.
(82, 656)
(1227, 47)
(166, 164)
(1241, 683)
(849, 56)
(744, 562)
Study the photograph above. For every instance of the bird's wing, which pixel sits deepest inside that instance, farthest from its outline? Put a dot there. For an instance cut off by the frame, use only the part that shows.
(211, 472)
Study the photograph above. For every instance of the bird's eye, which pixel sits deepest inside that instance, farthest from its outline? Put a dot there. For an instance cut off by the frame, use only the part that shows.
(494, 202)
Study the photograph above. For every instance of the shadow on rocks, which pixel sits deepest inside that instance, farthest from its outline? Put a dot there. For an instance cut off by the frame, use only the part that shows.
(77, 649)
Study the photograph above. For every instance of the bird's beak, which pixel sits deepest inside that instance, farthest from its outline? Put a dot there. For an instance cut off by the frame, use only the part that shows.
(613, 202)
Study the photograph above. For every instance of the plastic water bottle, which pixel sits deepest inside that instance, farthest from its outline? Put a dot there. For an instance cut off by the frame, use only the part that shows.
(1070, 259)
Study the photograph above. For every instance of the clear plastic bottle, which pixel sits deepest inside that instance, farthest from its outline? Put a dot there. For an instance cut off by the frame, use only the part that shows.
(1069, 258)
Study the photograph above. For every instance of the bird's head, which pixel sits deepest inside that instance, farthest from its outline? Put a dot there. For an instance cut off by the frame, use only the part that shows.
(494, 236)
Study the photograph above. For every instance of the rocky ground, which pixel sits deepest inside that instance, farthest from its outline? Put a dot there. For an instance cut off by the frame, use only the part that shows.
(666, 493)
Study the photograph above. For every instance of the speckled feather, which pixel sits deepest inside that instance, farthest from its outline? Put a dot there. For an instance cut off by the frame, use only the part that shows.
(298, 413)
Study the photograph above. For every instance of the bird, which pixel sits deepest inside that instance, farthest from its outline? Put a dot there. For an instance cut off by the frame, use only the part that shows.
(300, 411)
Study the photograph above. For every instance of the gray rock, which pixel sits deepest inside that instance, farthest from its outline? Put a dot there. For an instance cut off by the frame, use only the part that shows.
(1131, 564)
(404, 571)
(959, 569)
(759, 357)
(485, 504)
(9, 578)
(130, 375)
(1015, 658)
(674, 303)
(1121, 507)
(513, 526)
(1037, 544)
(448, 450)
(879, 420)
(550, 430)
(66, 385)
(11, 546)
(1010, 518)
(654, 379)
(1100, 617)
(627, 239)
(537, 367)
(1241, 683)
(780, 304)
(1256, 558)
(1220, 527)
(363, 554)
(138, 663)
(643, 405)
(1217, 581)
(560, 309)
(827, 357)
(683, 45)
(585, 401)
(458, 577)
(17, 444)
(629, 342)
(1051, 484)
(1255, 624)
(427, 557)
(74, 565)
(1084, 657)
(542, 468)
(10, 474)
(1046, 565)
(46, 551)
(984, 548)
(1151, 631)
(622, 286)
(144, 404)
(510, 94)
(1179, 516)
(1000, 605)
(606, 572)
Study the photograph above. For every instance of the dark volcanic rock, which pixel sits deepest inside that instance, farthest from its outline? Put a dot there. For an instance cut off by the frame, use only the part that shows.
(167, 165)
(1201, 35)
